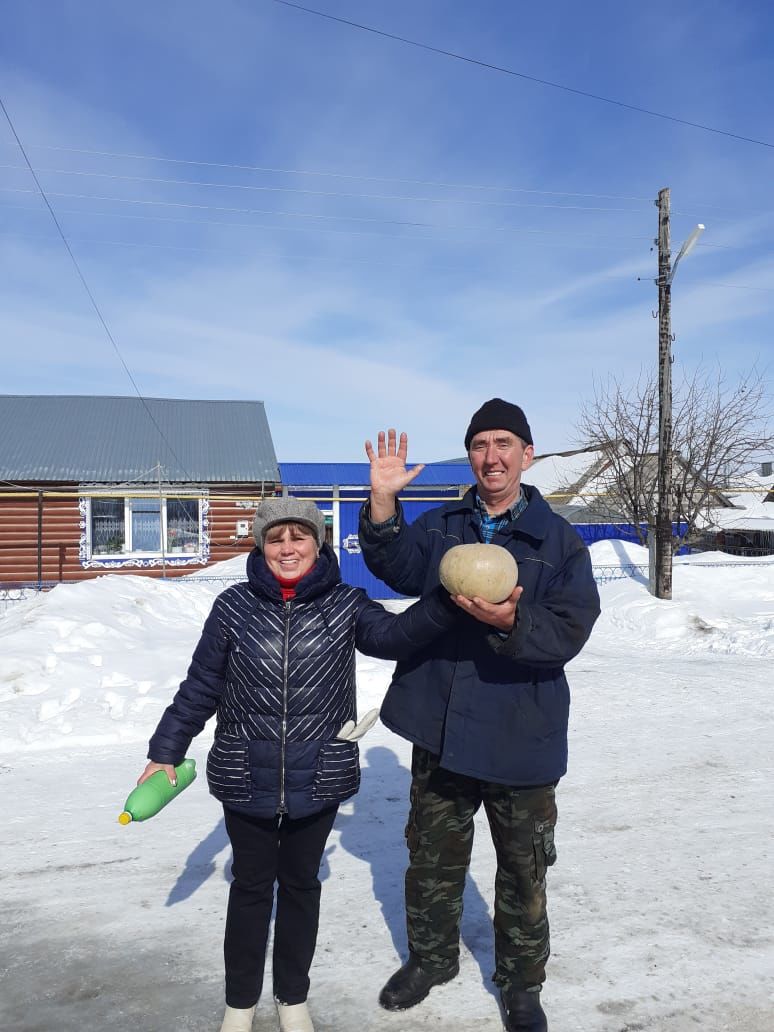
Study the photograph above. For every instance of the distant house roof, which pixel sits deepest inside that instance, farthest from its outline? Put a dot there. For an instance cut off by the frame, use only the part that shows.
(357, 474)
(752, 487)
(563, 473)
(755, 515)
(114, 439)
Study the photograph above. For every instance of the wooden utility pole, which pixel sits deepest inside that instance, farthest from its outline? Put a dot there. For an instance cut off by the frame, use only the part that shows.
(663, 556)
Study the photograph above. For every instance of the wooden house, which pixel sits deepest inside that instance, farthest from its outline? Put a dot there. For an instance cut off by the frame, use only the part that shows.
(160, 486)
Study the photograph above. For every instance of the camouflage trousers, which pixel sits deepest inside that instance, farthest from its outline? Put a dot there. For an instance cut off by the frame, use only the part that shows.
(439, 835)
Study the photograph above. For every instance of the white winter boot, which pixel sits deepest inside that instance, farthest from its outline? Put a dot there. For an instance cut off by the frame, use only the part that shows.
(238, 1019)
(294, 1017)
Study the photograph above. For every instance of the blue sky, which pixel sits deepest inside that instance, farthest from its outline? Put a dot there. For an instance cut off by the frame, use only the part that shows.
(412, 234)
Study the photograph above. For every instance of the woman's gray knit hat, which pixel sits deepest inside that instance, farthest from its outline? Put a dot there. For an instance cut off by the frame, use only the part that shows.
(272, 511)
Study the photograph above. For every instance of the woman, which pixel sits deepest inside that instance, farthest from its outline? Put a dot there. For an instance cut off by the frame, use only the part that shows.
(276, 662)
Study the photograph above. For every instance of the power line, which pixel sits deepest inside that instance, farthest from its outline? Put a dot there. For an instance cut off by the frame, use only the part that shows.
(326, 193)
(523, 75)
(428, 225)
(325, 259)
(443, 227)
(336, 218)
(439, 184)
(334, 175)
(362, 196)
(736, 286)
(214, 207)
(86, 287)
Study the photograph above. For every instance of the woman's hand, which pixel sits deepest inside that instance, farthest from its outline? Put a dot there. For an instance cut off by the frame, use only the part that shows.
(500, 615)
(389, 475)
(151, 769)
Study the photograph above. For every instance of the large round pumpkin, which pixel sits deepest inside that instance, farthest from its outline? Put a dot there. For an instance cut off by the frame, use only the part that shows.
(482, 571)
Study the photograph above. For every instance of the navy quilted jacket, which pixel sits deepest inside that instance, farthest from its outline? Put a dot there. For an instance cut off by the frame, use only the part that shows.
(493, 708)
(281, 678)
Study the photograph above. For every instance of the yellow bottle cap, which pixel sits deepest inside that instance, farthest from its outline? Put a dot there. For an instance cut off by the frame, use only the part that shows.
(125, 817)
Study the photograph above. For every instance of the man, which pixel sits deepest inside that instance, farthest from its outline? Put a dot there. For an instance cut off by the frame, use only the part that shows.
(486, 705)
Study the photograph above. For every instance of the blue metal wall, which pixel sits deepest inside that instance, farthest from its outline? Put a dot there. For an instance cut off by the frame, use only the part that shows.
(436, 484)
(591, 532)
(353, 568)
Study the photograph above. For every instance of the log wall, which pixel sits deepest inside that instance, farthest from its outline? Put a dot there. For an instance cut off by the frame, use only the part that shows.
(57, 514)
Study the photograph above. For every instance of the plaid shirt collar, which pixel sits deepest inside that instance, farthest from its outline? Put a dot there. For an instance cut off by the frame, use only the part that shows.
(491, 525)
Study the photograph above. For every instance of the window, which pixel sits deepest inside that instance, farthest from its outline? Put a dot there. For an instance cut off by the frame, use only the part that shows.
(123, 527)
(107, 526)
(145, 524)
(328, 528)
(182, 525)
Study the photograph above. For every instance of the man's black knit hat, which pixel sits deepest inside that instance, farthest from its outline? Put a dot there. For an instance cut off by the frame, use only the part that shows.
(497, 414)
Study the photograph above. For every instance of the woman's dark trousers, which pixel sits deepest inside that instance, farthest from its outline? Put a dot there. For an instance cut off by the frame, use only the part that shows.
(267, 851)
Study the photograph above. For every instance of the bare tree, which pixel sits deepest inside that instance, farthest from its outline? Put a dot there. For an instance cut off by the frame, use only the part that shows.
(717, 430)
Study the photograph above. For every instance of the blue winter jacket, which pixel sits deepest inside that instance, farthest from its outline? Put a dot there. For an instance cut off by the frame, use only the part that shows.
(492, 707)
(281, 678)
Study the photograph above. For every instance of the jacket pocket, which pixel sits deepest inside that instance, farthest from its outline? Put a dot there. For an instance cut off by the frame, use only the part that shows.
(228, 775)
(338, 771)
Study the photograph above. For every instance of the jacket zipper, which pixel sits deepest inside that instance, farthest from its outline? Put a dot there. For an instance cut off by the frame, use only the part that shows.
(285, 661)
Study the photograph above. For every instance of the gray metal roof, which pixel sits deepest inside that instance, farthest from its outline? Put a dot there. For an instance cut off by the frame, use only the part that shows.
(114, 439)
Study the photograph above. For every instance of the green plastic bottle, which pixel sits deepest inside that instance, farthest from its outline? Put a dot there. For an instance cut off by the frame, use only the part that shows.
(153, 795)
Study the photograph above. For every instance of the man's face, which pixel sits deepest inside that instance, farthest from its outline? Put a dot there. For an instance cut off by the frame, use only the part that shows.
(498, 458)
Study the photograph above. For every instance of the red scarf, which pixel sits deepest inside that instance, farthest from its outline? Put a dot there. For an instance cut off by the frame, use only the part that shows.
(288, 587)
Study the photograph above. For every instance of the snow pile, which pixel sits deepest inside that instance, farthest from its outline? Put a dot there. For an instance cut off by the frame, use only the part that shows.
(229, 569)
(618, 553)
(717, 604)
(97, 662)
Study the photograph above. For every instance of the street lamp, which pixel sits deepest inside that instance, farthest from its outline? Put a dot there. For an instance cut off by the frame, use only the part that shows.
(688, 245)
(661, 542)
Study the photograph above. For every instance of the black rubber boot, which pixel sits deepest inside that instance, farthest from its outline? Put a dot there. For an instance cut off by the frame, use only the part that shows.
(523, 1011)
(411, 984)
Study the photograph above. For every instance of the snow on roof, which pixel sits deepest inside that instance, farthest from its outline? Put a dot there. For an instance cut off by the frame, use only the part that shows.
(756, 515)
(555, 473)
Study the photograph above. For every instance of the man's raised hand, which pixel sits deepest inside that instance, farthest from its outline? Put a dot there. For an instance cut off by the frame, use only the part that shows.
(389, 475)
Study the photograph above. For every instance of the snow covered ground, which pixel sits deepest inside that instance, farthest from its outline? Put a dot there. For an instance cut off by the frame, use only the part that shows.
(660, 903)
